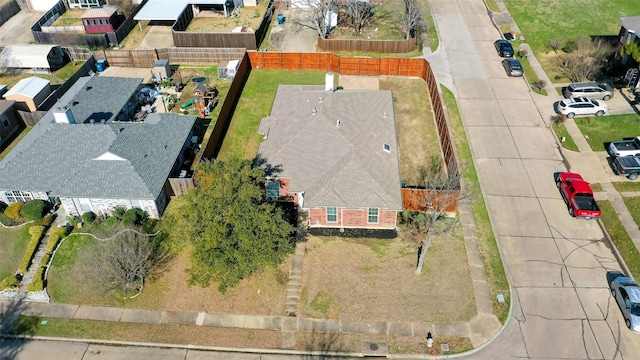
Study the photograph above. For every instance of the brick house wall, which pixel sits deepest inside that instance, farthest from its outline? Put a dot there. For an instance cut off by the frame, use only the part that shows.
(352, 218)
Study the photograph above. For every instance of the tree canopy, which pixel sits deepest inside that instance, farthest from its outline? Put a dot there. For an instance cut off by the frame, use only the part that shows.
(230, 226)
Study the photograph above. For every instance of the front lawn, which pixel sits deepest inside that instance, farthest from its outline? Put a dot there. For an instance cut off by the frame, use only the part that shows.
(13, 243)
(620, 238)
(601, 130)
(562, 133)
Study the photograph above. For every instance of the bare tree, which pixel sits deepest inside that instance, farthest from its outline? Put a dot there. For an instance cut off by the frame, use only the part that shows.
(123, 262)
(317, 15)
(438, 202)
(359, 12)
(586, 61)
(555, 44)
(409, 18)
(126, 7)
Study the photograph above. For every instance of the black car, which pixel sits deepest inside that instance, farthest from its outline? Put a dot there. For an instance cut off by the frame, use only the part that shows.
(504, 48)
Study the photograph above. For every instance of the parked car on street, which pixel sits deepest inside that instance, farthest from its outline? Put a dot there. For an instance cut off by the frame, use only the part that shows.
(626, 147)
(592, 90)
(628, 166)
(577, 194)
(627, 294)
(504, 48)
(512, 67)
(580, 106)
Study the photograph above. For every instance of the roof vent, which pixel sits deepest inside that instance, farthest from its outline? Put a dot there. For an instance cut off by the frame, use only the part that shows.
(386, 148)
(338, 123)
(121, 130)
(63, 116)
(91, 121)
(165, 147)
(320, 99)
(314, 111)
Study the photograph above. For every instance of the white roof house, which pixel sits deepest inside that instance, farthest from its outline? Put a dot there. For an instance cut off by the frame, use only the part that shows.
(42, 5)
(169, 9)
(36, 57)
(29, 93)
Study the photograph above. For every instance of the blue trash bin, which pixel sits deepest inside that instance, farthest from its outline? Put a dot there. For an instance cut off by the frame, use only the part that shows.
(101, 65)
(280, 19)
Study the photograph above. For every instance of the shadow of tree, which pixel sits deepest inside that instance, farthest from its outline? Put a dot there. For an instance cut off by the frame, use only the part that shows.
(325, 346)
(13, 323)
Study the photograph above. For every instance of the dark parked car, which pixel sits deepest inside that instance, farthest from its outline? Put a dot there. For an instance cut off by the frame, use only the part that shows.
(504, 48)
(512, 67)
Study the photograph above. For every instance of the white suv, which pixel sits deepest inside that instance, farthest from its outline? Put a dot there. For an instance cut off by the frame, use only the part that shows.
(580, 106)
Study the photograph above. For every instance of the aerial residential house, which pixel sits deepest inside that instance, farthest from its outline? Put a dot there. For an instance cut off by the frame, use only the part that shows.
(629, 33)
(75, 4)
(10, 123)
(89, 153)
(35, 58)
(41, 5)
(29, 93)
(100, 20)
(334, 155)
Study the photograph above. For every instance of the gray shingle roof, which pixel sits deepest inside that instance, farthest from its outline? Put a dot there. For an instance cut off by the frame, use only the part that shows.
(343, 166)
(631, 23)
(63, 159)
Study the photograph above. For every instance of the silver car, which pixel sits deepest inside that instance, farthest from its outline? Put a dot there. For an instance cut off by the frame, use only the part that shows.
(627, 294)
(592, 90)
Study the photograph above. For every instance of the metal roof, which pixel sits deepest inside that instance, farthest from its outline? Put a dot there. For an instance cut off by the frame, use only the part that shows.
(331, 146)
(169, 9)
(29, 87)
(113, 160)
(99, 12)
(26, 56)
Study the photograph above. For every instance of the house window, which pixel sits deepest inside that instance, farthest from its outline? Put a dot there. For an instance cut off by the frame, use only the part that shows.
(273, 189)
(332, 214)
(86, 22)
(17, 196)
(4, 120)
(85, 205)
(373, 216)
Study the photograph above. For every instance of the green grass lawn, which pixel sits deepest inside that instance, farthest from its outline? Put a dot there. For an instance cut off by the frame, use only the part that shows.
(543, 20)
(493, 266)
(620, 238)
(242, 138)
(599, 130)
(561, 132)
(627, 186)
(13, 244)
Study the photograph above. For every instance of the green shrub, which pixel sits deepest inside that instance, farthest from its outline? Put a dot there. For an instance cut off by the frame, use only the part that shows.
(13, 210)
(34, 209)
(37, 284)
(2, 206)
(36, 235)
(89, 217)
(134, 217)
(47, 220)
(9, 282)
(118, 213)
(45, 260)
(54, 238)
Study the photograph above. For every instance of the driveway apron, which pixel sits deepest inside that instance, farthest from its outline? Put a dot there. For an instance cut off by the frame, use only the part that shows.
(561, 306)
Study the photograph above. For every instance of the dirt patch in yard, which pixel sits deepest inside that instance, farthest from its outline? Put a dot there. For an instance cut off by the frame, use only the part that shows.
(214, 21)
(374, 280)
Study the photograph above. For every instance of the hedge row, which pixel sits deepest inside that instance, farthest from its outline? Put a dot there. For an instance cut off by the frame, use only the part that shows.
(9, 282)
(37, 284)
(36, 234)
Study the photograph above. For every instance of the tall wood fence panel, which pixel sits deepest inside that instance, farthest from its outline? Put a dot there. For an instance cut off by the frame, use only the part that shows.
(212, 148)
(180, 186)
(416, 199)
(31, 118)
(200, 56)
(379, 46)
(374, 67)
(129, 58)
(8, 10)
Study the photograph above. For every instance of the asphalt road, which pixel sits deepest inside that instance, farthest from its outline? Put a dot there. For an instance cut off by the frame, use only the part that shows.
(556, 264)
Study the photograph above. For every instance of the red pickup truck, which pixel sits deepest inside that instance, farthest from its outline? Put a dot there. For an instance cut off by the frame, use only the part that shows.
(578, 195)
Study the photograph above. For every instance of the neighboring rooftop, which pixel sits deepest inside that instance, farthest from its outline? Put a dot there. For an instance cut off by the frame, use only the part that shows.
(29, 87)
(5, 104)
(99, 12)
(169, 9)
(631, 23)
(26, 56)
(332, 146)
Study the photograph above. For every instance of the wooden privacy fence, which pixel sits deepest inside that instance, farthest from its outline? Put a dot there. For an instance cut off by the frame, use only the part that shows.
(379, 46)
(184, 56)
(180, 186)
(416, 199)
(368, 66)
(128, 58)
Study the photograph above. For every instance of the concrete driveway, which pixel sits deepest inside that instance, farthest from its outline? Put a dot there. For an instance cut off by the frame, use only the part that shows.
(17, 30)
(556, 264)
